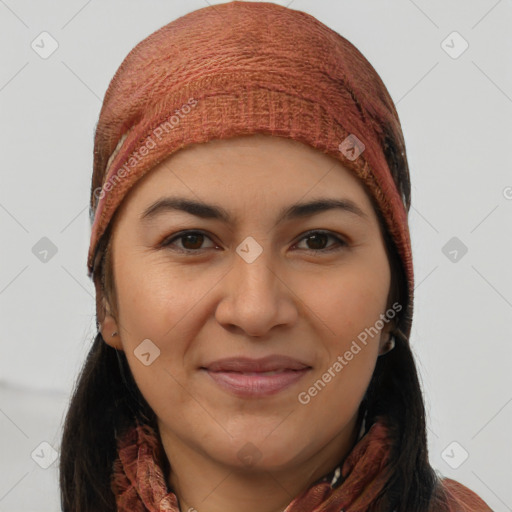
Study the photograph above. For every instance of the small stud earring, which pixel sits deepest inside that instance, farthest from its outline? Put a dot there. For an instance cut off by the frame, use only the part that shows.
(114, 334)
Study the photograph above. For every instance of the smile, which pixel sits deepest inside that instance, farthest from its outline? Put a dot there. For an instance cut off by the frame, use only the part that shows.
(256, 384)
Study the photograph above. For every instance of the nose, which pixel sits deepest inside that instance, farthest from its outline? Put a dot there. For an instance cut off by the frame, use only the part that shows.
(256, 298)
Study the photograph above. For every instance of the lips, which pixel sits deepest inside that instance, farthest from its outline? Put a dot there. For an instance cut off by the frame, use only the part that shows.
(275, 363)
(245, 377)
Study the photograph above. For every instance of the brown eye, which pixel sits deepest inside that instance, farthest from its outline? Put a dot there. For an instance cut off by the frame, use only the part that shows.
(191, 241)
(316, 241)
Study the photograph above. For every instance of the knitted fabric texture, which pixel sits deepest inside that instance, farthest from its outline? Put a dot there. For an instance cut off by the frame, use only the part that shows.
(242, 68)
(139, 484)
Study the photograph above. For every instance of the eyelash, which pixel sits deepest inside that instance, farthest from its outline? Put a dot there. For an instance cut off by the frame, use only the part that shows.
(168, 242)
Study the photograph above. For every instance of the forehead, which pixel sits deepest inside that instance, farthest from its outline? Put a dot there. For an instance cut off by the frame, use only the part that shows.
(257, 167)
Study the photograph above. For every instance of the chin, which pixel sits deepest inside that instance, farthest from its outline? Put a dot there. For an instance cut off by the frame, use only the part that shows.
(266, 449)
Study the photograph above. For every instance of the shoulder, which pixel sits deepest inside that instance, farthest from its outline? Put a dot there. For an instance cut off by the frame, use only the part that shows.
(459, 498)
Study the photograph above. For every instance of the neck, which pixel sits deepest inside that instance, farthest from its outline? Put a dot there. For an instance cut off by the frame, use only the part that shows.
(204, 485)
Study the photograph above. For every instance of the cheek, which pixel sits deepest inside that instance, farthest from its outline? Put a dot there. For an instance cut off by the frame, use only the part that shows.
(350, 300)
(169, 308)
(155, 304)
(154, 300)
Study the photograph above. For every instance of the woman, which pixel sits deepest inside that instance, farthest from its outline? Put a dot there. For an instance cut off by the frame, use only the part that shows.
(241, 364)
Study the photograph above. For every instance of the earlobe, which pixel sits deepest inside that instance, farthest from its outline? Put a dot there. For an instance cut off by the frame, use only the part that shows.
(388, 345)
(107, 324)
(110, 332)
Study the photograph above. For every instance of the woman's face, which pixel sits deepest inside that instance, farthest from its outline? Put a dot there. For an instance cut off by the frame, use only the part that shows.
(234, 265)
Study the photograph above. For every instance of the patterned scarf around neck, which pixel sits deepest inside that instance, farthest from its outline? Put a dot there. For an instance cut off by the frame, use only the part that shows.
(139, 484)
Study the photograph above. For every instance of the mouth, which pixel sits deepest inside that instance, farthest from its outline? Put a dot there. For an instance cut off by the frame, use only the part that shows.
(244, 377)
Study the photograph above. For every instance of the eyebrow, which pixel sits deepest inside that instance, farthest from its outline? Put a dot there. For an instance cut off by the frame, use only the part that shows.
(208, 211)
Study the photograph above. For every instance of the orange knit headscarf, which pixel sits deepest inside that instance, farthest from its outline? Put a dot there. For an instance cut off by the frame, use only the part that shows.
(244, 68)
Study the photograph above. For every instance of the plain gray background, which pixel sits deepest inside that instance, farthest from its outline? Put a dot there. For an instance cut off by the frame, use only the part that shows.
(455, 108)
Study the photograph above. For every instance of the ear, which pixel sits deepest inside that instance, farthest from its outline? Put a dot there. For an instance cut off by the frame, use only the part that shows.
(107, 323)
(385, 336)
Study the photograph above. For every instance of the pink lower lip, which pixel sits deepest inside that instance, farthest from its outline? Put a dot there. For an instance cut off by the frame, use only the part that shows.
(256, 385)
